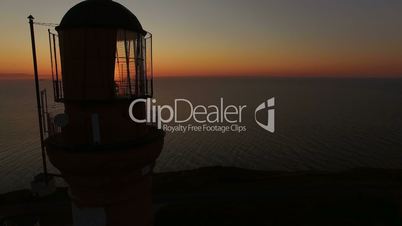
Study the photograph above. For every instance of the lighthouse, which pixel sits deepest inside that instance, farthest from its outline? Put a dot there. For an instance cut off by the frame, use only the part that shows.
(106, 158)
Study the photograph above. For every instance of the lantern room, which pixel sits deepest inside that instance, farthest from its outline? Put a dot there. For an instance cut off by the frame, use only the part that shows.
(105, 54)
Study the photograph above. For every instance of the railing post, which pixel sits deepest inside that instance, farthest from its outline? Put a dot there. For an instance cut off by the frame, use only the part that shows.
(51, 64)
(56, 67)
(152, 69)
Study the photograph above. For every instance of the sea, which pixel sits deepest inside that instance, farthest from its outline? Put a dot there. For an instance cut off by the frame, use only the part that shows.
(321, 124)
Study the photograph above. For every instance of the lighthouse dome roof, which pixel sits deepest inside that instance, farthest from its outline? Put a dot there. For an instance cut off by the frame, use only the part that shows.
(100, 14)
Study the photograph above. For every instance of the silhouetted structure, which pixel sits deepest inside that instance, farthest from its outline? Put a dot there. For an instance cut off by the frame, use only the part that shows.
(106, 63)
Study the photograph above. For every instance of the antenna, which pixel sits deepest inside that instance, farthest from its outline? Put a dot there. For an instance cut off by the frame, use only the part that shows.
(38, 102)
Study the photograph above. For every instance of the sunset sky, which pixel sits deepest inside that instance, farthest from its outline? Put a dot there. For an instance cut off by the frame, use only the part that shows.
(233, 37)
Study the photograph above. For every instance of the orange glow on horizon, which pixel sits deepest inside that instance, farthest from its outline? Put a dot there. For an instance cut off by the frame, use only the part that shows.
(205, 58)
(228, 64)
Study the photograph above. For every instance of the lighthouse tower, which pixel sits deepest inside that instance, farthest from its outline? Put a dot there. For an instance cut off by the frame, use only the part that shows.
(105, 157)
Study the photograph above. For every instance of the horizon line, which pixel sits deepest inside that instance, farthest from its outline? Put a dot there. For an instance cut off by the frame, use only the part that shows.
(27, 76)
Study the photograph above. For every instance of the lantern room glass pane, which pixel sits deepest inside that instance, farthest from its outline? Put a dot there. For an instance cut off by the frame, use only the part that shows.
(131, 70)
(124, 65)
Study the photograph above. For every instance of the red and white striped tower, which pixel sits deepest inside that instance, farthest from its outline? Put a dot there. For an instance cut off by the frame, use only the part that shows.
(106, 158)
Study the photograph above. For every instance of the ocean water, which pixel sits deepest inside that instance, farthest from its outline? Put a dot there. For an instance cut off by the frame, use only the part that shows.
(321, 124)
